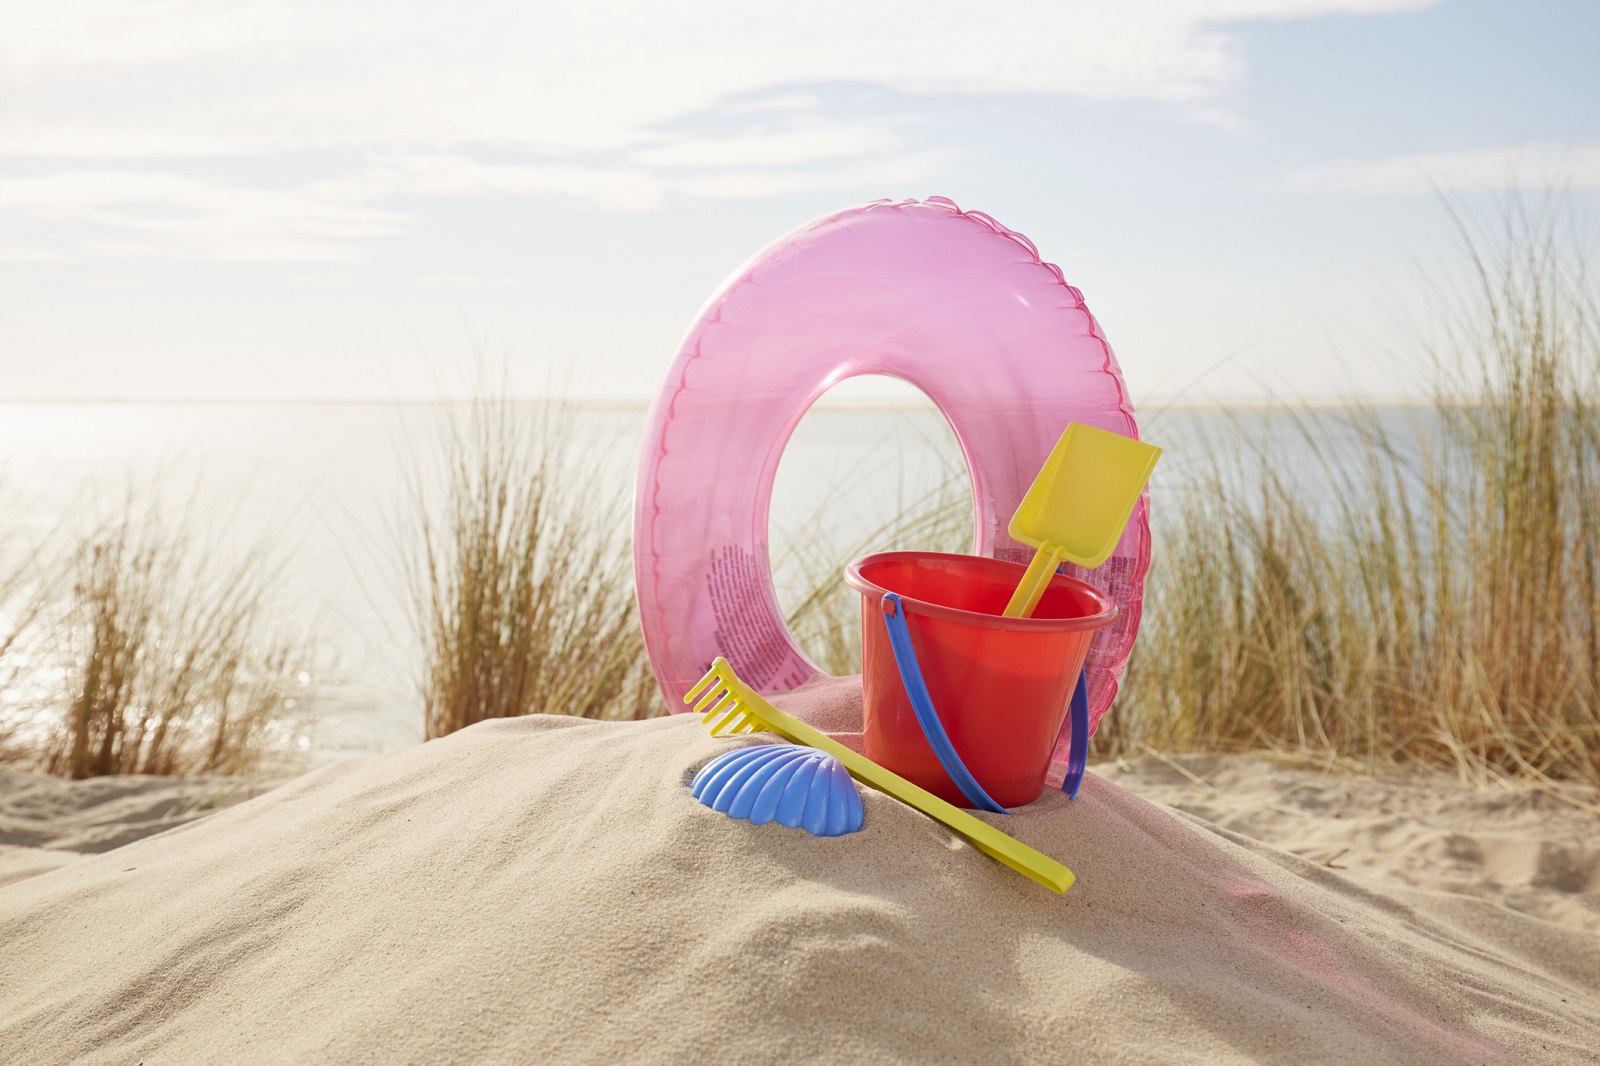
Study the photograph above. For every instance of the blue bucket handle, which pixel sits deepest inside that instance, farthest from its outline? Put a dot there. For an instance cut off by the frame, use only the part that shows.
(1078, 750)
(905, 656)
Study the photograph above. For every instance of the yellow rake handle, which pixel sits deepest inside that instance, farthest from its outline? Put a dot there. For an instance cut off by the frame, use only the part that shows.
(985, 837)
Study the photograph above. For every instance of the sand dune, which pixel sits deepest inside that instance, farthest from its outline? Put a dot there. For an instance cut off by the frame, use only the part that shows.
(47, 822)
(545, 889)
(1529, 850)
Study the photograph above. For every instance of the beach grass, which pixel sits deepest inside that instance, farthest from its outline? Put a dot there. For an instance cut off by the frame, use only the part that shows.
(165, 661)
(1425, 592)
(520, 570)
(1423, 595)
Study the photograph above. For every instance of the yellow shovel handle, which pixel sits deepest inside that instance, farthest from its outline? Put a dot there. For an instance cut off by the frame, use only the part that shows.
(1034, 582)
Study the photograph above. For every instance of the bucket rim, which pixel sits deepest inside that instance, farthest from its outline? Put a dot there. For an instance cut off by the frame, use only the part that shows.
(854, 578)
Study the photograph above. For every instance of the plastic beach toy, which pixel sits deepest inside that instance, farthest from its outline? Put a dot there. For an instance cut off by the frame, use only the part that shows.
(790, 784)
(731, 707)
(947, 300)
(961, 700)
(1078, 506)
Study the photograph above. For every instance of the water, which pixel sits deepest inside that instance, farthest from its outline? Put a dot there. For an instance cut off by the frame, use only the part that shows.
(326, 489)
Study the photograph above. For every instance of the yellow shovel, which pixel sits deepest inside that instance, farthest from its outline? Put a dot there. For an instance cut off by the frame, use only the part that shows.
(1078, 505)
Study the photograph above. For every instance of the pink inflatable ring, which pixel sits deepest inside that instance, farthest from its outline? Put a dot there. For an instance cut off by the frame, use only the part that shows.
(947, 300)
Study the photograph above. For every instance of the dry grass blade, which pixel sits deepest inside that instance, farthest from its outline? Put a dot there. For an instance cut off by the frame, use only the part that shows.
(167, 666)
(1426, 593)
(521, 574)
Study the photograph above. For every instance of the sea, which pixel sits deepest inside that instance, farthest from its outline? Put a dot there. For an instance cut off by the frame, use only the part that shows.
(328, 494)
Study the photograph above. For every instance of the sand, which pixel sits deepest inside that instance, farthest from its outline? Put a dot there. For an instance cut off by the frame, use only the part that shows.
(1529, 850)
(544, 889)
(47, 822)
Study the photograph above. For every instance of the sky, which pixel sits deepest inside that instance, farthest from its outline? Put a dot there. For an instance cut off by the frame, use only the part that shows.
(211, 199)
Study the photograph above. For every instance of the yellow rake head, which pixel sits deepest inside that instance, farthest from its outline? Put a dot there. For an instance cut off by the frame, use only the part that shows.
(725, 704)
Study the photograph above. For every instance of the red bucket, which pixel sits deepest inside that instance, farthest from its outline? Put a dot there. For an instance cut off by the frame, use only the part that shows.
(1000, 685)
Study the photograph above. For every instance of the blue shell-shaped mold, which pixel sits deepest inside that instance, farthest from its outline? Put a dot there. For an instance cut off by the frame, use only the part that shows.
(792, 785)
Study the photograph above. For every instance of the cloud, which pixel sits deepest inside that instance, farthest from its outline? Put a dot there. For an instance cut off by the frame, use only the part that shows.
(577, 76)
(15, 253)
(164, 214)
(617, 104)
(1482, 170)
(798, 145)
(157, 214)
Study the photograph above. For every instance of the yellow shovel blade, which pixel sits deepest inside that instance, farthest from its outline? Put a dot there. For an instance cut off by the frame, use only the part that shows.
(1079, 504)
